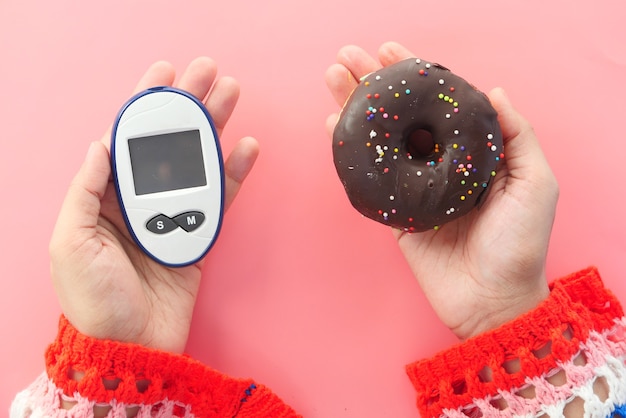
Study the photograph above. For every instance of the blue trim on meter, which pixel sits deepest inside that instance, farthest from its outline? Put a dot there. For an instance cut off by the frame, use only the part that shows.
(159, 89)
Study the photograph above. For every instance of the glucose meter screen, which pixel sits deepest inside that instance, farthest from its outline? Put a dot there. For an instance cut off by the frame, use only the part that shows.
(167, 162)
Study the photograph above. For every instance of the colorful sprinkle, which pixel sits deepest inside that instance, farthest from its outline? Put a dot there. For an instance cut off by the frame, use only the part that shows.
(381, 153)
(467, 166)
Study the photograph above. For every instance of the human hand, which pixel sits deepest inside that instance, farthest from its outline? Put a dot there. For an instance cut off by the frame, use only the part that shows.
(108, 288)
(487, 267)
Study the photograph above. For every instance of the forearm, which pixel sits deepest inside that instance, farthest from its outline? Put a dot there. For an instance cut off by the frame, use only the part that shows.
(563, 357)
(86, 377)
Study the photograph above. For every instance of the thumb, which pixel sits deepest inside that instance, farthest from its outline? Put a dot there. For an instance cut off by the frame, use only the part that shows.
(522, 149)
(81, 207)
(530, 179)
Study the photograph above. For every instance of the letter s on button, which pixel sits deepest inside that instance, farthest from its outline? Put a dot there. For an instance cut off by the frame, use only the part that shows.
(161, 224)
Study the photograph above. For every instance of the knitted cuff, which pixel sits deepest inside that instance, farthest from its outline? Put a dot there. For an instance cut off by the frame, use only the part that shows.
(470, 378)
(132, 375)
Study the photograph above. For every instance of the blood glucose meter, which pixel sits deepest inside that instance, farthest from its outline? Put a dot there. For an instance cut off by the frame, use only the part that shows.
(168, 173)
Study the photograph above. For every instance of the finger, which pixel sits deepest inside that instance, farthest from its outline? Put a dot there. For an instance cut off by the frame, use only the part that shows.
(357, 61)
(340, 82)
(238, 166)
(81, 207)
(198, 77)
(161, 73)
(222, 101)
(331, 122)
(392, 52)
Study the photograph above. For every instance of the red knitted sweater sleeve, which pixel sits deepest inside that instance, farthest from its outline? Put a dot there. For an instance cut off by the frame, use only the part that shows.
(537, 363)
(124, 375)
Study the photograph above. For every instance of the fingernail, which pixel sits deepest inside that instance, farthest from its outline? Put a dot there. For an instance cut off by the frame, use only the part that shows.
(505, 96)
(90, 151)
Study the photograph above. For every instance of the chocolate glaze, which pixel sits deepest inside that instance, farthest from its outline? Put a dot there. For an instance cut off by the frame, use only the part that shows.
(385, 177)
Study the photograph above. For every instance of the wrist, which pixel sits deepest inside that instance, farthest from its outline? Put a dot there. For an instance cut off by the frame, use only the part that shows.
(106, 375)
(493, 313)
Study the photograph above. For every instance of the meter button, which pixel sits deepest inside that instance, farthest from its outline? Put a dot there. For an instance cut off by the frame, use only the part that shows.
(161, 224)
(189, 220)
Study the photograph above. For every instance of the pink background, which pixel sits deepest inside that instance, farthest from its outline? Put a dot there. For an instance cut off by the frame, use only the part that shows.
(300, 292)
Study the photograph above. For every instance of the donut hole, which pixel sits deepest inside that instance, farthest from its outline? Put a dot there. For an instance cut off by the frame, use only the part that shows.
(420, 143)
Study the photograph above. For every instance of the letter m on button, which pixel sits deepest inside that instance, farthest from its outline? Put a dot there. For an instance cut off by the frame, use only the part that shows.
(189, 220)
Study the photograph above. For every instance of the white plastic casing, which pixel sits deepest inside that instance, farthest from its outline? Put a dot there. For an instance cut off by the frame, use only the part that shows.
(158, 111)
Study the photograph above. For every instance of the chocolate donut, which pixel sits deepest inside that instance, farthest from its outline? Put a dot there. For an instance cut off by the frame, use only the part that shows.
(416, 146)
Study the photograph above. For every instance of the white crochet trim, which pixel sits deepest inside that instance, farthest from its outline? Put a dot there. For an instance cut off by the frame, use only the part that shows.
(42, 399)
(605, 355)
